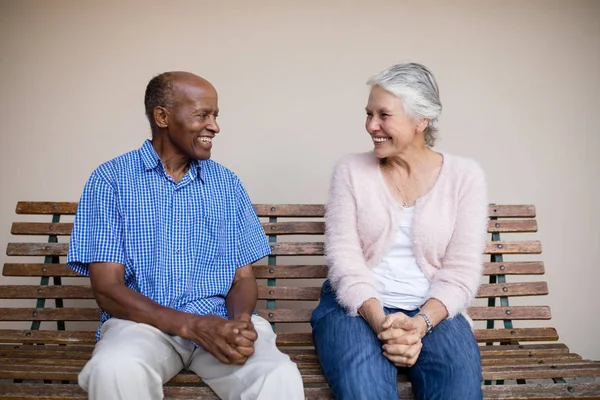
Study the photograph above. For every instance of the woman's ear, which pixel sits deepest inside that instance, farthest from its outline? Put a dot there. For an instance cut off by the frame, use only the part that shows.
(422, 124)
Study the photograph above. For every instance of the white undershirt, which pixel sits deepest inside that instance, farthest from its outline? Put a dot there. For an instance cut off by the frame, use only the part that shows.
(400, 281)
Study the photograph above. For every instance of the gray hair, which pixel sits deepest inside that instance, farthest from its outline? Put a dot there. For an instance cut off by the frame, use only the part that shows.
(416, 86)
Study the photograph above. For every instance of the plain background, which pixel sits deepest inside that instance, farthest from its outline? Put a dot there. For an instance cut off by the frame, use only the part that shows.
(520, 84)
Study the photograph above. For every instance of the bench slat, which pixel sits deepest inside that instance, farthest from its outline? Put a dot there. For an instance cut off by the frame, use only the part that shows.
(305, 357)
(513, 289)
(513, 313)
(511, 211)
(279, 249)
(514, 268)
(275, 315)
(267, 210)
(283, 339)
(270, 228)
(264, 292)
(581, 390)
(512, 226)
(273, 271)
(490, 372)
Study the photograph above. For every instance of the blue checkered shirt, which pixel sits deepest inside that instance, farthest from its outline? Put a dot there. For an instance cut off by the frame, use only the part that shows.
(180, 243)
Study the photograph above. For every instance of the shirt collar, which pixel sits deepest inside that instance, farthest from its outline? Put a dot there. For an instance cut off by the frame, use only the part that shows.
(152, 160)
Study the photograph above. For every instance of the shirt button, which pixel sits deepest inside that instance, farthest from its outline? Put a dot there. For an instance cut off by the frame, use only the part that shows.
(178, 251)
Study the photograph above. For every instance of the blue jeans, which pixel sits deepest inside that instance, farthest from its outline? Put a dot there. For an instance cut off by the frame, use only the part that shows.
(448, 368)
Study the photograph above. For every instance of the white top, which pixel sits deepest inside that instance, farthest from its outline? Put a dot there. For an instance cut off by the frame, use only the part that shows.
(400, 281)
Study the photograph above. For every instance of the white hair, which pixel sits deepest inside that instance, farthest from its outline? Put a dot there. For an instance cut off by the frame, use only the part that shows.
(416, 86)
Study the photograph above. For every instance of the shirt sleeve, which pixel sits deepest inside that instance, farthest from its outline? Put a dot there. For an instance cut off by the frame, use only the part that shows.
(252, 241)
(97, 234)
(347, 270)
(456, 283)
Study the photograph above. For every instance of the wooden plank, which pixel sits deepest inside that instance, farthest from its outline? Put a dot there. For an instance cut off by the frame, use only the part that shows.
(294, 228)
(283, 339)
(290, 271)
(46, 207)
(37, 249)
(523, 349)
(286, 315)
(511, 211)
(512, 225)
(516, 335)
(273, 271)
(85, 292)
(46, 292)
(277, 315)
(513, 313)
(297, 249)
(270, 228)
(513, 289)
(89, 337)
(267, 210)
(264, 292)
(260, 271)
(38, 269)
(288, 293)
(61, 249)
(504, 247)
(279, 249)
(49, 314)
(543, 391)
(289, 210)
(41, 228)
(542, 371)
(513, 268)
(536, 391)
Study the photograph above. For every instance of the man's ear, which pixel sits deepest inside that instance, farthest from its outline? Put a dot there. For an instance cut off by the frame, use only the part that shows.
(161, 117)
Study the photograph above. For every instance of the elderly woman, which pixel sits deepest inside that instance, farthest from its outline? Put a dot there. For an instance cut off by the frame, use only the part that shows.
(405, 234)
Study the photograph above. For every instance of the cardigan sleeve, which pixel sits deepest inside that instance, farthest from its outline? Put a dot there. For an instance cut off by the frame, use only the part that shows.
(455, 285)
(348, 273)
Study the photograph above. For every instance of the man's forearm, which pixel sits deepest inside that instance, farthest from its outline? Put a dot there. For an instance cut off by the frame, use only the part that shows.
(125, 303)
(241, 300)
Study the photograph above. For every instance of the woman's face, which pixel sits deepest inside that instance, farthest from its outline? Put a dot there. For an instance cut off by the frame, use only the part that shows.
(392, 131)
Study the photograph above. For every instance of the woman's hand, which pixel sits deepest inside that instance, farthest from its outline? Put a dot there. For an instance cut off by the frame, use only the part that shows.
(401, 336)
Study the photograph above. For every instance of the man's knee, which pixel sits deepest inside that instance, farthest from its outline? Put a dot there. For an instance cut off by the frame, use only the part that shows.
(285, 377)
(116, 370)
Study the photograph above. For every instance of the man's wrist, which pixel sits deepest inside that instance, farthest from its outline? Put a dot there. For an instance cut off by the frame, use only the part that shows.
(246, 317)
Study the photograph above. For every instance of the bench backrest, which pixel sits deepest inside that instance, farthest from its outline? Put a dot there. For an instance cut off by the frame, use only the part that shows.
(289, 279)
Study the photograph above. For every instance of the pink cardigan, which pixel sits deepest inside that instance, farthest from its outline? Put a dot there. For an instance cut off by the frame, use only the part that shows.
(449, 230)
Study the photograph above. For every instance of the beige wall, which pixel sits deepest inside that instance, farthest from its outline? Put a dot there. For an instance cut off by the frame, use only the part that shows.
(520, 83)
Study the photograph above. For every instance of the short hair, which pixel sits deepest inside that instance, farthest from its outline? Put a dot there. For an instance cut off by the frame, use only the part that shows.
(416, 86)
(159, 93)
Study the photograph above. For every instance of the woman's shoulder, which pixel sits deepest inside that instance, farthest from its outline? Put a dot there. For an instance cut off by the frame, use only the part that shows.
(461, 166)
(356, 161)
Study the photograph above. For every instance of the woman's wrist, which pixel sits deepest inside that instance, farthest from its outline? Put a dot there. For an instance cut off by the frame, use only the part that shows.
(372, 312)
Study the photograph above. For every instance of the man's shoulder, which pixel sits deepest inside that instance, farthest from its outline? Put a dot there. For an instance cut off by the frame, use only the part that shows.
(125, 163)
(217, 172)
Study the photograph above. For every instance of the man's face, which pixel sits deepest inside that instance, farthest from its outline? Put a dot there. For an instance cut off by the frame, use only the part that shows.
(192, 120)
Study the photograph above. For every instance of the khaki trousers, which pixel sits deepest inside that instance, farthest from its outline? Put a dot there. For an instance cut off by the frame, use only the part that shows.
(132, 361)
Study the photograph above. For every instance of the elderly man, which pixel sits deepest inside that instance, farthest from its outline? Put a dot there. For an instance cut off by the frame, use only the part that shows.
(168, 237)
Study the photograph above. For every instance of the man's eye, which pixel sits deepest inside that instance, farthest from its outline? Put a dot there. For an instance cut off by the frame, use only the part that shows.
(201, 116)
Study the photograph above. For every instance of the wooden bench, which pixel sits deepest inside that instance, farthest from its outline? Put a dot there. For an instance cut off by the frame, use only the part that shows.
(44, 363)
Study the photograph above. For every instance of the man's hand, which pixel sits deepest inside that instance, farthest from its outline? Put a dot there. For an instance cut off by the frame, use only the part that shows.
(230, 342)
(401, 336)
(248, 333)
